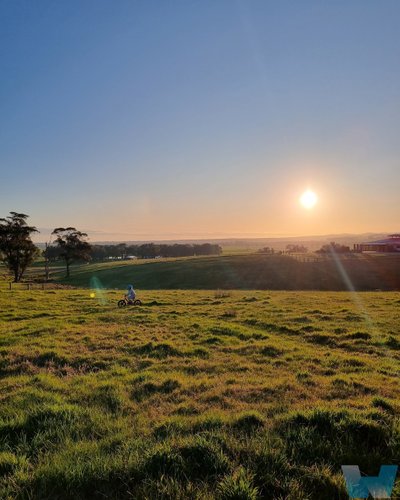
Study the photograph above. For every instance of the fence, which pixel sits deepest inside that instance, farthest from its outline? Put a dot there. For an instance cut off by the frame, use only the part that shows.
(28, 286)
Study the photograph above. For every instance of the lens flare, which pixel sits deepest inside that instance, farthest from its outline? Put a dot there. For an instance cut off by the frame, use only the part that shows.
(97, 290)
(356, 297)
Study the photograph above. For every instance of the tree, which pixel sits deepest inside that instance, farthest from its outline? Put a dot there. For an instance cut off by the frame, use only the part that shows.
(50, 254)
(333, 247)
(148, 251)
(294, 248)
(121, 248)
(72, 245)
(267, 250)
(17, 250)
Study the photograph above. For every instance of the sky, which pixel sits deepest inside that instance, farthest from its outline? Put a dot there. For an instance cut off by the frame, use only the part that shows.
(149, 119)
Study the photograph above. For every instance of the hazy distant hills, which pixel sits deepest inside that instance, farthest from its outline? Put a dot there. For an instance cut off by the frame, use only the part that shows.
(312, 242)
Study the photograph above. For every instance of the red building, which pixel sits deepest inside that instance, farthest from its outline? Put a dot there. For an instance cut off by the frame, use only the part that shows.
(390, 244)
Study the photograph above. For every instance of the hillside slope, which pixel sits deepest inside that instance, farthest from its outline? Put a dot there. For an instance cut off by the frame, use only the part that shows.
(263, 272)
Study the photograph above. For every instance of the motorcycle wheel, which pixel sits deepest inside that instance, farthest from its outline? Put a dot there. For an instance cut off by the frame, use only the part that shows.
(137, 302)
(121, 303)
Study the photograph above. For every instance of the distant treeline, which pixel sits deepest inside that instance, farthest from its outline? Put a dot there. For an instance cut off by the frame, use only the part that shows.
(144, 251)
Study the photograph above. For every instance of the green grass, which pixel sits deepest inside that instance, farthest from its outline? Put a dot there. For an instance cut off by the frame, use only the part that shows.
(361, 272)
(252, 271)
(196, 394)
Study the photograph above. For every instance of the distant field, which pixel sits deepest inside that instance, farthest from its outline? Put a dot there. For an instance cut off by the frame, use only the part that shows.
(364, 272)
(253, 271)
(196, 394)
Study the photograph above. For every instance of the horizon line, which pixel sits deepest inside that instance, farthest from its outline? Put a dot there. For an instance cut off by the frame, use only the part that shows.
(142, 238)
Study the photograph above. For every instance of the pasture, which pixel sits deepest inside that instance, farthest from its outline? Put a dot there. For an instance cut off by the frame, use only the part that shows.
(252, 271)
(196, 394)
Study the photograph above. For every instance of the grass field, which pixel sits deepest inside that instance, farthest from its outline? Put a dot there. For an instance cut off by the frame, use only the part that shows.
(196, 394)
(253, 271)
(265, 272)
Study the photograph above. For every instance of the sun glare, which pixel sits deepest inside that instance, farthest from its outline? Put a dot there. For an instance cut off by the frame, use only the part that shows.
(308, 199)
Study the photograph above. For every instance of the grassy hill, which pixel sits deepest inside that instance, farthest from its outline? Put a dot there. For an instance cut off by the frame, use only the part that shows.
(263, 272)
(196, 394)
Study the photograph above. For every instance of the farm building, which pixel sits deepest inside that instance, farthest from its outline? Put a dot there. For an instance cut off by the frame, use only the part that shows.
(390, 244)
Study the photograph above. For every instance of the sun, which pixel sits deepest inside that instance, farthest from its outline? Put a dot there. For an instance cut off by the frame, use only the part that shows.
(308, 199)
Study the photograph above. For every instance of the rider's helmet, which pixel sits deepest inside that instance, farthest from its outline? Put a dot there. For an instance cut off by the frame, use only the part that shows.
(130, 287)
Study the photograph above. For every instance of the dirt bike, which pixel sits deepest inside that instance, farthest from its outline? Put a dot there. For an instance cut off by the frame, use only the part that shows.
(126, 302)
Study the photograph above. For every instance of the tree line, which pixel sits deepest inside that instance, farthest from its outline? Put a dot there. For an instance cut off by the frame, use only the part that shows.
(124, 251)
(152, 250)
(17, 251)
(329, 248)
(291, 248)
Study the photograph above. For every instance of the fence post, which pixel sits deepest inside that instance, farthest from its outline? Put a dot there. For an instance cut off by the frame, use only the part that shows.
(29, 286)
(10, 285)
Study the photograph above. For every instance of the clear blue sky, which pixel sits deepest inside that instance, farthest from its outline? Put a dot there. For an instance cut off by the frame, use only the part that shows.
(196, 118)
